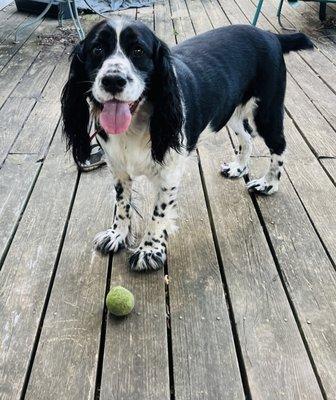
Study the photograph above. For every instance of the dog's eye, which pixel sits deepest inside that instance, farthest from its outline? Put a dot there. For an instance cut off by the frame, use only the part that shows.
(97, 51)
(137, 51)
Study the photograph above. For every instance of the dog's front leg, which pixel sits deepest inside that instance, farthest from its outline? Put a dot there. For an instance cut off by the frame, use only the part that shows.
(152, 251)
(119, 235)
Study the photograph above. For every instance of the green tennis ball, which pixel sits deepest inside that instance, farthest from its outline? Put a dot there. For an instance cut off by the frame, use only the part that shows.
(119, 301)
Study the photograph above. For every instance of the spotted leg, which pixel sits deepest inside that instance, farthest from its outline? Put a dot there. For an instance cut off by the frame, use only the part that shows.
(152, 251)
(239, 167)
(269, 183)
(272, 131)
(119, 235)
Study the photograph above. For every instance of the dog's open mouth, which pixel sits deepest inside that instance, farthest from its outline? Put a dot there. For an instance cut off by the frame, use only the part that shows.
(116, 116)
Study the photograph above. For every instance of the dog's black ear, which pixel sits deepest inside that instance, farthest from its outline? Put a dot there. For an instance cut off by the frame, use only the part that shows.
(75, 109)
(167, 118)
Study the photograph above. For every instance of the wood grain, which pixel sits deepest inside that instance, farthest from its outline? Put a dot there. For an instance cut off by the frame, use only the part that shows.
(199, 346)
(8, 49)
(135, 364)
(28, 267)
(330, 165)
(275, 357)
(315, 60)
(66, 358)
(10, 20)
(12, 117)
(40, 125)
(316, 191)
(204, 357)
(308, 274)
(136, 354)
(306, 20)
(20, 63)
(24, 98)
(4, 4)
(16, 180)
(204, 363)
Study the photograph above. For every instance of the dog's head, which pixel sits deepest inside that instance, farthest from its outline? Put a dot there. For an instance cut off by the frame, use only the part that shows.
(117, 65)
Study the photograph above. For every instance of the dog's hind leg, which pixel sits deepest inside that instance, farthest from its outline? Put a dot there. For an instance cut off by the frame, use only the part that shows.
(271, 129)
(242, 124)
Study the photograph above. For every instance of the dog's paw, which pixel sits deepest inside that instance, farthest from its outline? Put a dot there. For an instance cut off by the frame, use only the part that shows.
(109, 241)
(148, 257)
(233, 170)
(262, 186)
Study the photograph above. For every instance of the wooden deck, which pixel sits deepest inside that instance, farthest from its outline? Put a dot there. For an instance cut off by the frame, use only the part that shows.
(250, 308)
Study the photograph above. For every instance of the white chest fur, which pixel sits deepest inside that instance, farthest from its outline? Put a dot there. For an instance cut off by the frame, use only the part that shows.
(130, 152)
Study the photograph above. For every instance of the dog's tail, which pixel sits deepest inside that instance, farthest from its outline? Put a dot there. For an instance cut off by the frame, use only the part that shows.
(295, 42)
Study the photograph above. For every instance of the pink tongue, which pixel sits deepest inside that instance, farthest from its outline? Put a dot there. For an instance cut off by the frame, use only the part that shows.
(115, 117)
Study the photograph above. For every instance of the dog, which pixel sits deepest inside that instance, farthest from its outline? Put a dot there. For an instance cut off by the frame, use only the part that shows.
(151, 104)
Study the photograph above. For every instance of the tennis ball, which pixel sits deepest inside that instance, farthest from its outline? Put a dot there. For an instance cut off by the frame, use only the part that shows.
(119, 301)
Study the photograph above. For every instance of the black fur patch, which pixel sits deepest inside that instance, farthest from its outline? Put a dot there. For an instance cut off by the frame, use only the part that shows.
(247, 127)
(119, 190)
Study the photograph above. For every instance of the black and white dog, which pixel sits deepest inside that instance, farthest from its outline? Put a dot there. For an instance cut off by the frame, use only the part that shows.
(152, 104)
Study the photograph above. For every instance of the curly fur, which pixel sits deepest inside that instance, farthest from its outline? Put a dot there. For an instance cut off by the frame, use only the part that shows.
(167, 119)
(75, 109)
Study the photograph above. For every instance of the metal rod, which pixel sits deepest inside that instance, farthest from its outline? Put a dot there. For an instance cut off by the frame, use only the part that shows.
(76, 21)
(279, 18)
(34, 21)
(257, 13)
(93, 10)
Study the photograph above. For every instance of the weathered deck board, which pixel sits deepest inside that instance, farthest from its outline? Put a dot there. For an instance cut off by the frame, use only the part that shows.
(275, 358)
(315, 60)
(16, 181)
(136, 354)
(136, 365)
(308, 274)
(330, 165)
(313, 126)
(12, 117)
(28, 268)
(66, 359)
(8, 49)
(37, 131)
(208, 368)
(135, 358)
(4, 4)
(306, 19)
(18, 65)
(180, 17)
(9, 23)
(316, 191)
(204, 357)
(7, 10)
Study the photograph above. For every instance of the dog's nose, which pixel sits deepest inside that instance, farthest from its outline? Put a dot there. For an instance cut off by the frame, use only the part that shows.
(113, 83)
